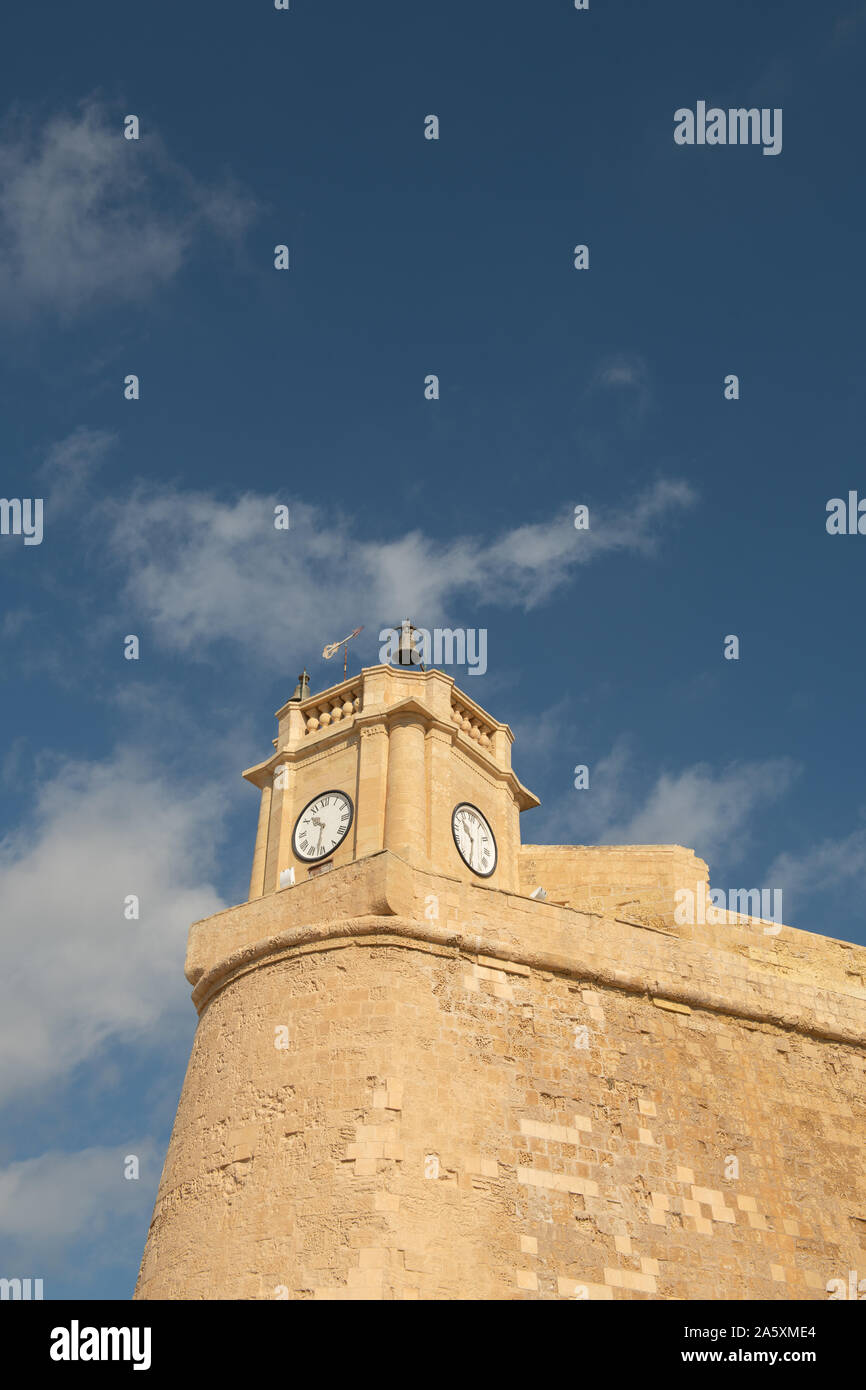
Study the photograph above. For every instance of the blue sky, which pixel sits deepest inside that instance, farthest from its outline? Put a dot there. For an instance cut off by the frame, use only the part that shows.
(258, 387)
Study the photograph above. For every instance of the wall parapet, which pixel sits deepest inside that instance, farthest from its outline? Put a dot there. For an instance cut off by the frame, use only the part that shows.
(543, 937)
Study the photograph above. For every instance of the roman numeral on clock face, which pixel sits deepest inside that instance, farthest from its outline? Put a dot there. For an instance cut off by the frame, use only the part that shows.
(322, 825)
(473, 838)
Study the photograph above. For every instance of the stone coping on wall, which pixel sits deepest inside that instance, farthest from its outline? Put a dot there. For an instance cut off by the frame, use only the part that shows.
(796, 980)
(824, 1021)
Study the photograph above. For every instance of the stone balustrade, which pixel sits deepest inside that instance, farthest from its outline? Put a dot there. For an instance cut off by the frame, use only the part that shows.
(323, 710)
(472, 723)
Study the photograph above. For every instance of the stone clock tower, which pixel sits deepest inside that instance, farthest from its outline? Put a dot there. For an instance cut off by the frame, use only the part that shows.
(382, 762)
(434, 1063)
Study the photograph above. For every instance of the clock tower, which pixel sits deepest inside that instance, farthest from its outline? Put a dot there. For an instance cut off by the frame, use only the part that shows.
(391, 759)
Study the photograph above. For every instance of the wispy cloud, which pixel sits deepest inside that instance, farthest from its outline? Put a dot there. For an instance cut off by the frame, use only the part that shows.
(88, 217)
(710, 810)
(56, 1201)
(70, 465)
(830, 872)
(201, 570)
(627, 374)
(847, 27)
(77, 972)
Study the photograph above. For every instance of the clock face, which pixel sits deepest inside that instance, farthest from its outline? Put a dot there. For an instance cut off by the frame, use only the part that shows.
(322, 826)
(474, 839)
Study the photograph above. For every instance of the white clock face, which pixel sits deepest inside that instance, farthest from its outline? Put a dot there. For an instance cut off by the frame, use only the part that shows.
(322, 826)
(474, 839)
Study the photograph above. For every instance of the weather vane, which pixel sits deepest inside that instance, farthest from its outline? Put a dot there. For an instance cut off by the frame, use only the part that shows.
(333, 647)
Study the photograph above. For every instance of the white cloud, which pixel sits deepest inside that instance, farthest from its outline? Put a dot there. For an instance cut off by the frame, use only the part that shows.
(539, 737)
(619, 373)
(77, 973)
(202, 570)
(610, 787)
(55, 1201)
(705, 810)
(708, 810)
(70, 465)
(14, 620)
(833, 869)
(624, 373)
(87, 216)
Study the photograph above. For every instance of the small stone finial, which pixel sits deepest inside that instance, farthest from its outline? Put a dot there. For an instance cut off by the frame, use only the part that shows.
(302, 689)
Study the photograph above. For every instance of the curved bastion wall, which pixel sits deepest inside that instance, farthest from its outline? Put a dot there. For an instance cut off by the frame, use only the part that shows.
(447, 1091)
